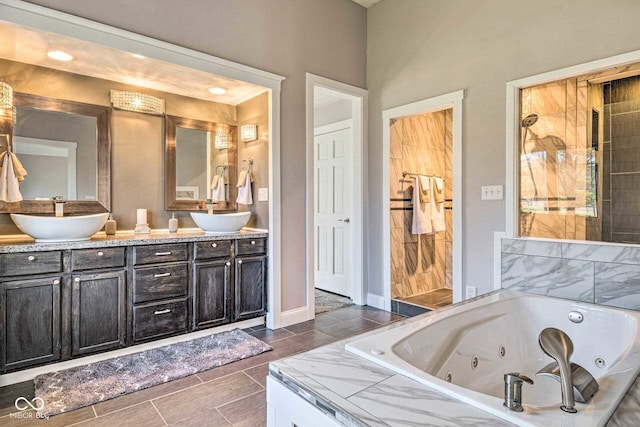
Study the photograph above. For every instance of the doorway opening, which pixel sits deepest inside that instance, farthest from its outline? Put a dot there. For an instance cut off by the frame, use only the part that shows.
(423, 146)
(336, 115)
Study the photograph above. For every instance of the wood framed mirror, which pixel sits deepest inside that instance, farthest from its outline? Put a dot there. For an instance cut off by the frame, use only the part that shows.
(195, 152)
(63, 139)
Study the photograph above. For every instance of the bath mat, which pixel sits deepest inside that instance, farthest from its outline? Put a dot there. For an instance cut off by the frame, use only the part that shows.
(326, 301)
(74, 388)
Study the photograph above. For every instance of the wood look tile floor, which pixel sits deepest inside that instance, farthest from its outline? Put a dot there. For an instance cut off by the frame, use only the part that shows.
(230, 395)
(435, 299)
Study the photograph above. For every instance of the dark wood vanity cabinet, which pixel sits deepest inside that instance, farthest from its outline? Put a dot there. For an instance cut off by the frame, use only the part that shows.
(250, 279)
(212, 278)
(60, 304)
(29, 322)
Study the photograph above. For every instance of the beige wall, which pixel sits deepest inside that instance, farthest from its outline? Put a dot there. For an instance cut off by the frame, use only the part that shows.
(420, 49)
(287, 37)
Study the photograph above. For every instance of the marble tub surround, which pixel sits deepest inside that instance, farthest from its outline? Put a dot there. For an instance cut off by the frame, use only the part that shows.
(606, 274)
(21, 243)
(357, 392)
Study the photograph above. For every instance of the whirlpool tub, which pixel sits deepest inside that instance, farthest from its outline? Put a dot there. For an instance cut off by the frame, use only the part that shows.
(465, 350)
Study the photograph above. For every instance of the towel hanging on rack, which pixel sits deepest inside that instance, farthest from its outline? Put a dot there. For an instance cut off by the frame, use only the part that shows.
(9, 187)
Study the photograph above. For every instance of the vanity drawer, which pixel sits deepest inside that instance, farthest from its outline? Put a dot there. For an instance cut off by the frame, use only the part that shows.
(217, 249)
(154, 283)
(30, 263)
(159, 253)
(85, 259)
(153, 320)
(251, 246)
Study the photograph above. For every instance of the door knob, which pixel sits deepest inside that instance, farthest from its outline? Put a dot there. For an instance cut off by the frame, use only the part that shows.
(346, 220)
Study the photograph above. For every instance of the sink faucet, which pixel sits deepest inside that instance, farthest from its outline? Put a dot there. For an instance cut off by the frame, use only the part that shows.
(558, 346)
(209, 203)
(59, 202)
(513, 390)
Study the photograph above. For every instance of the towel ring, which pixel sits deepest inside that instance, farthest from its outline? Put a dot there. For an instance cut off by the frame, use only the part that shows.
(223, 169)
(250, 162)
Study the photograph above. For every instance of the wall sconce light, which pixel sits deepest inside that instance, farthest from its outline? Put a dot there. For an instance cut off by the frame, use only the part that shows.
(221, 140)
(248, 133)
(6, 96)
(137, 102)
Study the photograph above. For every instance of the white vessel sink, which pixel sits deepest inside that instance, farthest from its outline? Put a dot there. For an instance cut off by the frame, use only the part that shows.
(221, 223)
(47, 229)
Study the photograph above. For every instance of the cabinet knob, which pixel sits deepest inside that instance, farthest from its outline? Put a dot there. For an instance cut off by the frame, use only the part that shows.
(77, 280)
(100, 253)
(214, 245)
(253, 242)
(56, 282)
(239, 261)
(31, 258)
(228, 263)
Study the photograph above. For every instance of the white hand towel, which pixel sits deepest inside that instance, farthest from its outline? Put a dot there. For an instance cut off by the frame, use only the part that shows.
(421, 223)
(218, 192)
(9, 187)
(244, 193)
(437, 206)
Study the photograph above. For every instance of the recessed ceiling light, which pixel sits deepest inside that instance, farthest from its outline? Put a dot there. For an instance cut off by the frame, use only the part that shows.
(59, 55)
(217, 91)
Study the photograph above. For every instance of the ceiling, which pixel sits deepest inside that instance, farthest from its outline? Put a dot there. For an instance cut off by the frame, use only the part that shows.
(31, 46)
(366, 3)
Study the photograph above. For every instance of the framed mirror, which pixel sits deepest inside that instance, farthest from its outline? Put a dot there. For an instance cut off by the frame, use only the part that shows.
(66, 149)
(200, 164)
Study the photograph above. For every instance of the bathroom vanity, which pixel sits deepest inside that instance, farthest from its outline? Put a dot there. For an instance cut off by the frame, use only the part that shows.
(65, 300)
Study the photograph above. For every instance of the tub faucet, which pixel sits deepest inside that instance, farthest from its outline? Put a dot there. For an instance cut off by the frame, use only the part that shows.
(513, 390)
(558, 346)
(59, 202)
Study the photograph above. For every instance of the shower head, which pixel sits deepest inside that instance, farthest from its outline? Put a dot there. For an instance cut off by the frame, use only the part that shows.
(530, 120)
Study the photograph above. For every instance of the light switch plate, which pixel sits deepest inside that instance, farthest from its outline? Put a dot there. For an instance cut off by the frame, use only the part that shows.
(263, 194)
(492, 192)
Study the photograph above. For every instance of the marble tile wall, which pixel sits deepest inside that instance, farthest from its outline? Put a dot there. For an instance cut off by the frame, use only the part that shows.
(607, 274)
(419, 144)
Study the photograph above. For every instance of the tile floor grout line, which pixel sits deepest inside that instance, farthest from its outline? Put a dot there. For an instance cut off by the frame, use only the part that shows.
(94, 410)
(254, 380)
(240, 398)
(99, 416)
(159, 414)
(225, 418)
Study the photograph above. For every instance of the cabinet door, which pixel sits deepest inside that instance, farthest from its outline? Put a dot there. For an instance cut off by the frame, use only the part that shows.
(29, 322)
(212, 293)
(251, 295)
(97, 312)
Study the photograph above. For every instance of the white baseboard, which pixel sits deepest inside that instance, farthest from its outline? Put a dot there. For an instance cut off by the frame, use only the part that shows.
(377, 301)
(29, 374)
(297, 315)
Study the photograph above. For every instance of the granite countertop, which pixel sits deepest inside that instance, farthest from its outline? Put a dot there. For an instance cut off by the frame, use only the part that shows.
(358, 392)
(24, 243)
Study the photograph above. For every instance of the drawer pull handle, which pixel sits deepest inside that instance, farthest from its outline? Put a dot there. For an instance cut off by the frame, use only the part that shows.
(253, 242)
(239, 261)
(163, 253)
(165, 311)
(31, 258)
(214, 245)
(77, 280)
(162, 275)
(56, 282)
(100, 253)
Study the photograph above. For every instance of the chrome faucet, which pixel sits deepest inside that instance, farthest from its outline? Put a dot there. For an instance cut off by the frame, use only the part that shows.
(558, 346)
(513, 390)
(209, 204)
(59, 202)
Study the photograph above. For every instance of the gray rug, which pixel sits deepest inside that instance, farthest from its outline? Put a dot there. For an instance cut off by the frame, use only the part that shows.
(326, 301)
(73, 388)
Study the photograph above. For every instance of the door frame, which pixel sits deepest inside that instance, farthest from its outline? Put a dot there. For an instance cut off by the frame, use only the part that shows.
(447, 101)
(359, 97)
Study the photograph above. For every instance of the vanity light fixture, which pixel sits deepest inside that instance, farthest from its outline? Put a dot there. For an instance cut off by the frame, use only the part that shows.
(59, 55)
(137, 102)
(248, 133)
(221, 140)
(217, 90)
(6, 96)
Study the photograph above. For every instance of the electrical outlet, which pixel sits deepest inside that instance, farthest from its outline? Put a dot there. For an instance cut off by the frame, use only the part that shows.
(472, 292)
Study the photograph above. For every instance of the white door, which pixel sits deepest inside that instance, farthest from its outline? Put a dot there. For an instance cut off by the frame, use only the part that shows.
(334, 192)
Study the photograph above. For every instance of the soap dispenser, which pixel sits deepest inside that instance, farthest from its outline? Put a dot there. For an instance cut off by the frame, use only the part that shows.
(173, 224)
(110, 226)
